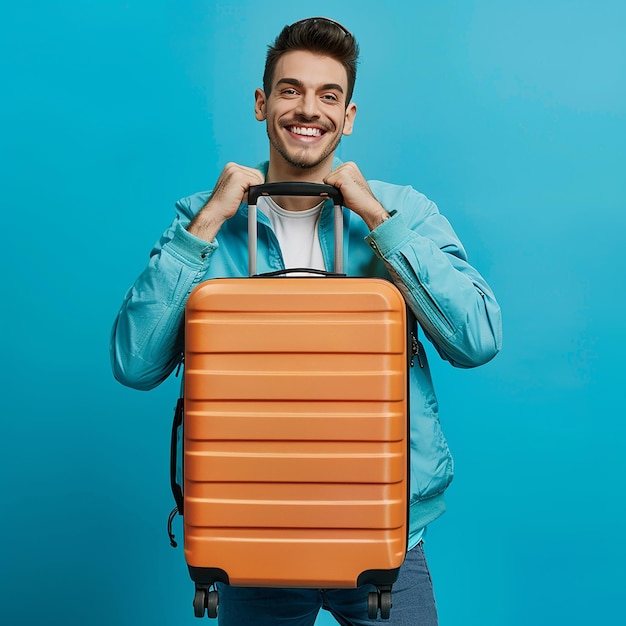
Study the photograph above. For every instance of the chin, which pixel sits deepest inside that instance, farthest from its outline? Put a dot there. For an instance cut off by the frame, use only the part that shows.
(305, 164)
(303, 159)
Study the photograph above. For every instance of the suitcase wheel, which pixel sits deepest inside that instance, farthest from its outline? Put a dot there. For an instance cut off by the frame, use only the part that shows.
(200, 602)
(205, 600)
(212, 602)
(385, 604)
(376, 600)
(372, 605)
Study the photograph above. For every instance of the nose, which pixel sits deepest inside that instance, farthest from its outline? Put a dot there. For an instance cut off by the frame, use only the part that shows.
(308, 106)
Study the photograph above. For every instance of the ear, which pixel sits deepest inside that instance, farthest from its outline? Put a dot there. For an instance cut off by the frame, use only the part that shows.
(349, 119)
(260, 105)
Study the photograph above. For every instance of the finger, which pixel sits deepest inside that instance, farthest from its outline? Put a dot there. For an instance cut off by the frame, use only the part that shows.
(255, 177)
(332, 178)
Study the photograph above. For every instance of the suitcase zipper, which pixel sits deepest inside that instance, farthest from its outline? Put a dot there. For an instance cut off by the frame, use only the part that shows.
(180, 364)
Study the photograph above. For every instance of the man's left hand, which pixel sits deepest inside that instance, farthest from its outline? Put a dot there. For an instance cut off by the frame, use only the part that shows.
(357, 195)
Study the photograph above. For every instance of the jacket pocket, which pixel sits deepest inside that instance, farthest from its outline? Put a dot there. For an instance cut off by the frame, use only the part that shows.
(432, 466)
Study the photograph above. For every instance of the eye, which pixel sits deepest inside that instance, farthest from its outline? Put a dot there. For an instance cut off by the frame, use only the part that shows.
(331, 97)
(289, 92)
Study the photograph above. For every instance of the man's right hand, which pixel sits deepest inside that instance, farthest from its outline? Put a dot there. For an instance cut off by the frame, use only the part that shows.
(231, 189)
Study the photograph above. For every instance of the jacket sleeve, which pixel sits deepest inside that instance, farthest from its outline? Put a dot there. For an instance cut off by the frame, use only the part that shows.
(451, 300)
(147, 337)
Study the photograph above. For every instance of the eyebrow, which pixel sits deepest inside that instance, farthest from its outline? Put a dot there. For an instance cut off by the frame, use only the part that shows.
(297, 83)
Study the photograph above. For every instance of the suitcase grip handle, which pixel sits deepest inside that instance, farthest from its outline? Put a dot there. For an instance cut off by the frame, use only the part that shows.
(300, 270)
(291, 188)
(177, 422)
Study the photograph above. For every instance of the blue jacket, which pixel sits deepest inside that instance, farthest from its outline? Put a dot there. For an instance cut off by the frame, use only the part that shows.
(416, 248)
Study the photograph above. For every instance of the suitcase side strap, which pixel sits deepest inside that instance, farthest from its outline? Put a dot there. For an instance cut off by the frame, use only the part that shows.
(177, 490)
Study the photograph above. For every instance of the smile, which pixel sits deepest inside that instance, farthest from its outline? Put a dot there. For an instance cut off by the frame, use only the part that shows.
(305, 131)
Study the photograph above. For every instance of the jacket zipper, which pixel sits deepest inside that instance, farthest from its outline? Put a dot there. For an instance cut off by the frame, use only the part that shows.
(415, 351)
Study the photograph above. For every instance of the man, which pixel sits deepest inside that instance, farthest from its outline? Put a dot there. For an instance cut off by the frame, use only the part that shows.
(391, 231)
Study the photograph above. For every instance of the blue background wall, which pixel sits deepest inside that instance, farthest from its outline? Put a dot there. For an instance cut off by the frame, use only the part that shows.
(510, 115)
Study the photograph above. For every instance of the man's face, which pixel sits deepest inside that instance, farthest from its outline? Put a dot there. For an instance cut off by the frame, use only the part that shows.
(306, 110)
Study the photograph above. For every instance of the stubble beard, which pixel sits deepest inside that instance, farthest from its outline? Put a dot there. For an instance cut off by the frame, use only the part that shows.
(300, 160)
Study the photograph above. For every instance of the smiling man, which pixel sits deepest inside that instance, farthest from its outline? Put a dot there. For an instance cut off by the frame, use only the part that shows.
(391, 231)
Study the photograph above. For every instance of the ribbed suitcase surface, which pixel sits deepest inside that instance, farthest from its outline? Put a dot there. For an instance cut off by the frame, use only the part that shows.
(295, 435)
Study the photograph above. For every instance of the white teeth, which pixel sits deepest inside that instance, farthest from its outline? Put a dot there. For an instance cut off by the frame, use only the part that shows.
(309, 132)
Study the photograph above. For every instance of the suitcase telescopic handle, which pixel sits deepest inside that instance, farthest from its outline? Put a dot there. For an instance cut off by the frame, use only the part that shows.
(293, 189)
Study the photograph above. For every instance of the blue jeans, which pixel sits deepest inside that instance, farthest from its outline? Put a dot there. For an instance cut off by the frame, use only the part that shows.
(413, 602)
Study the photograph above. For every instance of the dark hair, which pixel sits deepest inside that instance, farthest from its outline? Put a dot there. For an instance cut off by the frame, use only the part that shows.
(319, 35)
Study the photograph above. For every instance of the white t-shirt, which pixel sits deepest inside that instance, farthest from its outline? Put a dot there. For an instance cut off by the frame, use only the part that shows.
(297, 233)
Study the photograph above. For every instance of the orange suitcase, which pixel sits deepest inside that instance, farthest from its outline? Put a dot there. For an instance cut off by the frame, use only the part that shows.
(295, 465)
